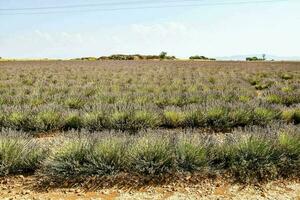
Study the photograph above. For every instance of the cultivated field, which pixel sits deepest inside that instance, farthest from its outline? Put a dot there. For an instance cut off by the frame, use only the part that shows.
(150, 121)
(130, 96)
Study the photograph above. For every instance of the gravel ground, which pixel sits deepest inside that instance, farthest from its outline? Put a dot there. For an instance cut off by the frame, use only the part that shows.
(24, 188)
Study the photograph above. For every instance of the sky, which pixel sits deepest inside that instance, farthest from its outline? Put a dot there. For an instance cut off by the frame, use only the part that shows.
(212, 30)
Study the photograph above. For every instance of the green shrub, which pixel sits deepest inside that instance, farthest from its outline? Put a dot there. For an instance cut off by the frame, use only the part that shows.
(287, 89)
(240, 117)
(174, 119)
(194, 119)
(36, 101)
(262, 86)
(286, 76)
(264, 116)
(197, 57)
(19, 121)
(69, 161)
(254, 81)
(88, 92)
(33, 155)
(220, 156)
(212, 80)
(16, 119)
(10, 152)
(248, 157)
(95, 121)
(74, 103)
(273, 98)
(151, 155)
(120, 120)
(81, 158)
(144, 120)
(19, 156)
(217, 117)
(73, 121)
(254, 160)
(2, 120)
(254, 58)
(142, 100)
(163, 55)
(107, 156)
(190, 154)
(290, 99)
(244, 99)
(288, 115)
(177, 101)
(161, 102)
(289, 164)
(108, 99)
(48, 120)
(297, 116)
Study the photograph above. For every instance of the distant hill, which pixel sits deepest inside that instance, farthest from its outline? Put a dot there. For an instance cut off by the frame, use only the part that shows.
(268, 57)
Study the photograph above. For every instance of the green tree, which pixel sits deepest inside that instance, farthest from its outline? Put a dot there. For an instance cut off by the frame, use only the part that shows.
(163, 55)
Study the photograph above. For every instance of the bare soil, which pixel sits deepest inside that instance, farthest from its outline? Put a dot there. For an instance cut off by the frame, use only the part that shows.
(20, 187)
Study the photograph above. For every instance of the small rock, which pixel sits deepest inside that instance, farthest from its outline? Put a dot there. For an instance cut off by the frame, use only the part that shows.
(105, 192)
(24, 192)
(131, 192)
(72, 190)
(77, 191)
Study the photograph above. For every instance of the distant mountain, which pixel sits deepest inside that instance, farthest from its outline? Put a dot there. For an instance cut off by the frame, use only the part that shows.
(268, 57)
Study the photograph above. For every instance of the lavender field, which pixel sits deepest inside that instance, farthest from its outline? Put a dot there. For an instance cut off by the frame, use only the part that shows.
(73, 119)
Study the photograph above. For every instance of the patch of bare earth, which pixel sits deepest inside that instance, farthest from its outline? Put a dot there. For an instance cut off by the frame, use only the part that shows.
(20, 187)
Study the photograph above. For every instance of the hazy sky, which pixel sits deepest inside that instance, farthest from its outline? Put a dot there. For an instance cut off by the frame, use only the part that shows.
(224, 30)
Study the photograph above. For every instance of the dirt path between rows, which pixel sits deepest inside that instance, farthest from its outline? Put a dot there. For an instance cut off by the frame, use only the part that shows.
(24, 188)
